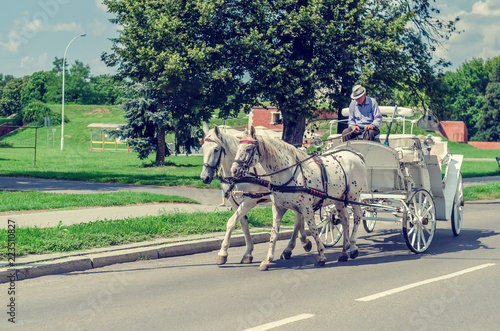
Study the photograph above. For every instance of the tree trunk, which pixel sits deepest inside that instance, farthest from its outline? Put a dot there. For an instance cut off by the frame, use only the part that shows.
(294, 127)
(160, 153)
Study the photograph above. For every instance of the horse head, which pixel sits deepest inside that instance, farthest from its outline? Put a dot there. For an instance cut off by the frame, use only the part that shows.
(212, 153)
(248, 154)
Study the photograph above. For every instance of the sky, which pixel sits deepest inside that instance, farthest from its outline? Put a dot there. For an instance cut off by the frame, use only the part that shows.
(34, 32)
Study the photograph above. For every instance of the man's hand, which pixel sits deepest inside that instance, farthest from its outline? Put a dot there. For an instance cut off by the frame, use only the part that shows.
(369, 127)
(355, 128)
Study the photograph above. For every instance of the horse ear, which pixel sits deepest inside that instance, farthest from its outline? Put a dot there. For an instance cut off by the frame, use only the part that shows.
(252, 131)
(205, 128)
(217, 131)
(250, 120)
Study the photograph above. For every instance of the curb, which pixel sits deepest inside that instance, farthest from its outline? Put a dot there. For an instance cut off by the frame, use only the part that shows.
(82, 263)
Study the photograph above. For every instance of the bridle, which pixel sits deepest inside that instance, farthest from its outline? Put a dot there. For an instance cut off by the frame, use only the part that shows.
(245, 164)
(220, 150)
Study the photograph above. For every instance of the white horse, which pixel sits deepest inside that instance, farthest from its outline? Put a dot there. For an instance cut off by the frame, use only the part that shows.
(304, 183)
(219, 149)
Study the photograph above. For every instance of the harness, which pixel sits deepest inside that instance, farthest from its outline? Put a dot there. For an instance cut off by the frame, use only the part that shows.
(232, 181)
(284, 188)
(222, 151)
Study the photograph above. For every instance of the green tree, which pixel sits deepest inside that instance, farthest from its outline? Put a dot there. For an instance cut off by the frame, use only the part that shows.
(105, 89)
(171, 46)
(11, 96)
(302, 52)
(466, 97)
(76, 86)
(35, 88)
(35, 113)
(204, 54)
(140, 107)
(488, 126)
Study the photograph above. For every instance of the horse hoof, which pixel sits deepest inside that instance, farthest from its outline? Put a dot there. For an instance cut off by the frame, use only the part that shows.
(286, 255)
(354, 254)
(221, 260)
(320, 263)
(247, 259)
(308, 246)
(263, 267)
(343, 258)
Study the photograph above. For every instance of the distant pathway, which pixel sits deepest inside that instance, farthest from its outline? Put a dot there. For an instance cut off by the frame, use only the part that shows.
(204, 196)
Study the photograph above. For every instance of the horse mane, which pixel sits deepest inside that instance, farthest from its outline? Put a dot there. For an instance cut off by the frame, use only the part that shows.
(272, 148)
(228, 141)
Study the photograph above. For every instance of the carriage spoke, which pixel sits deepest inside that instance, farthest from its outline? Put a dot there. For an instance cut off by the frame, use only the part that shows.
(419, 225)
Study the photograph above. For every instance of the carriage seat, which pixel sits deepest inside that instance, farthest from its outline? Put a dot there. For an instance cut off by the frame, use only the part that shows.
(408, 147)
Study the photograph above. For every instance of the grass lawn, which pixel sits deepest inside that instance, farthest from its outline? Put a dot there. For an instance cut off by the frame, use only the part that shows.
(27, 200)
(487, 191)
(77, 162)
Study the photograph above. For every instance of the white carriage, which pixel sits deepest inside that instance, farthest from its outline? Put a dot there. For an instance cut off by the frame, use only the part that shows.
(404, 184)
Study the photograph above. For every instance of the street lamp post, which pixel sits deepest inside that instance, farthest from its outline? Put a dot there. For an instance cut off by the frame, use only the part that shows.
(63, 71)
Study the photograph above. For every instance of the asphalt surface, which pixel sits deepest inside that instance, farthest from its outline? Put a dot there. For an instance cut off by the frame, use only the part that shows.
(39, 265)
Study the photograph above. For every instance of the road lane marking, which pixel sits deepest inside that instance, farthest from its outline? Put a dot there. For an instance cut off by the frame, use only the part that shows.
(425, 282)
(275, 324)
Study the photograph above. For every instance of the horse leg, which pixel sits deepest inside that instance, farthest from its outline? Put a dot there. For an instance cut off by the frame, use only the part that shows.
(238, 215)
(247, 257)
(278, 213)
(311, 223)
(342, 211)
(306, 243)
(299, 228)
(354, 235)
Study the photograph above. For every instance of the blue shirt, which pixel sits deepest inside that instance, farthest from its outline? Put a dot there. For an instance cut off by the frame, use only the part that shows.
(362, 115)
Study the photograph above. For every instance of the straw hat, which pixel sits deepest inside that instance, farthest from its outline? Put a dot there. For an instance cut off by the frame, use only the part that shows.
(357, 91)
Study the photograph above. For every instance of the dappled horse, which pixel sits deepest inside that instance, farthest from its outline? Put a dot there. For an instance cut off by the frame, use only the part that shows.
(219, 150)
(304, 184)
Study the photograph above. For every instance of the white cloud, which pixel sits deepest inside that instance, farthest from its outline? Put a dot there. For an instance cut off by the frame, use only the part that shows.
(101, 6)
(487, 8)
(28, 26)
(481, 35)
(97, 28)
(69, 27)
(35, 63)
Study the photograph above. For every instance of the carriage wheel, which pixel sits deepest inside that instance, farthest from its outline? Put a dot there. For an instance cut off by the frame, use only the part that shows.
(330, 230)
(457, 212)
(369, 225)
(419, 222)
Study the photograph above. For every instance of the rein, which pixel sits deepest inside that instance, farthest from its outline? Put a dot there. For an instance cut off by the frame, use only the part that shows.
(232, 181)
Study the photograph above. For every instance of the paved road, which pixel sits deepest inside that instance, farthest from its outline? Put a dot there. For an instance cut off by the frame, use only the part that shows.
(454, 286)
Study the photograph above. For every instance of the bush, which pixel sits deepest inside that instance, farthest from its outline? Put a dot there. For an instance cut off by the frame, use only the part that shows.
(35, 113)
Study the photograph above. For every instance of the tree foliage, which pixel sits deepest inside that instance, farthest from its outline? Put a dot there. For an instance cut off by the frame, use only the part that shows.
(46, 86)
(35, 112)
(168, 45)
(204, 54)
(11, 96)
(140, 106)
(488, 126)
(299, 53)
(466, 93)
